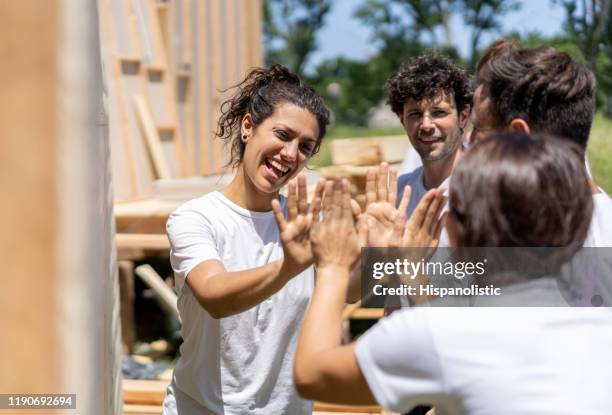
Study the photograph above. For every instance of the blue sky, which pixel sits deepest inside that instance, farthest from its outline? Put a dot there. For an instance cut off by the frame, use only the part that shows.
(343, 35)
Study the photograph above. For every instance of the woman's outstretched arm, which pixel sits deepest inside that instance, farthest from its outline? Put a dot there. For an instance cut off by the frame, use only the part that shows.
(222, 293)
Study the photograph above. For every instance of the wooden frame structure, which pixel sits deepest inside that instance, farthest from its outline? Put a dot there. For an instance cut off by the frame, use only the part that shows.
(167, 64)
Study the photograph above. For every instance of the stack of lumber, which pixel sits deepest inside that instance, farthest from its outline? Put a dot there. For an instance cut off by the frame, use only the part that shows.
(352, 157)
(145, 397)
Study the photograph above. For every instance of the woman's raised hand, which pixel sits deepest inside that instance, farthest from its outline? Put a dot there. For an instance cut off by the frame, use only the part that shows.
(334, 239)
(295, 230)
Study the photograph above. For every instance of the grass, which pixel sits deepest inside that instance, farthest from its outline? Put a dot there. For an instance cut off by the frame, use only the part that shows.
(599, 152)
(599, 148)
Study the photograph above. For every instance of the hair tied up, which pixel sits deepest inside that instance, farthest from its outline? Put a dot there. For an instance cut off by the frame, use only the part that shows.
(259, 94)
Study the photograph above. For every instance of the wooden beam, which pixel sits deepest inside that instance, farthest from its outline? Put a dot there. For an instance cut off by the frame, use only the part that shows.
(144, 395)
(149, 131)
(144, 392)
(165, 295)
(328, 407)
(142, 241)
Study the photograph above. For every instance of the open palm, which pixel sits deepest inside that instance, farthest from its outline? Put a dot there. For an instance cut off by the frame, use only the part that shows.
(295, 230)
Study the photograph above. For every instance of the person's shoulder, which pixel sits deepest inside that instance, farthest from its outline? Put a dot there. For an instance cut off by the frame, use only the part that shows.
(408, 178)
(602, 201)
(201, 208)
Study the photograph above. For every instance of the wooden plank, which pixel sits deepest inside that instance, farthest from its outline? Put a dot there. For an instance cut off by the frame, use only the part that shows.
(118, 19)
(127, 296)
(174, 145)
(152, 392)
(367, 314)
(356, 312)
(370, 150)
(205, 101)
(328, 407)
(129, 409)
(255, 32)
(393, 147)
(149, 131)
(125, 182)
(219, 73)
(164, 294)
(142, 241)
(359, 151)
(144, 392)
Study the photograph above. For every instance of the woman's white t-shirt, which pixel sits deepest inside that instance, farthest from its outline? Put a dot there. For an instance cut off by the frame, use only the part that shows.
(242, 363)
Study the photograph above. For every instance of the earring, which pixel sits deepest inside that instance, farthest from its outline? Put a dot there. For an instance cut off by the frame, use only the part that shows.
(244, 138)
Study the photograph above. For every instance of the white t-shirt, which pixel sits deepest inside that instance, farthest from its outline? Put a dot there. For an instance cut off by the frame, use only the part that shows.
(485, 361)
(600, 232)
(242, 363)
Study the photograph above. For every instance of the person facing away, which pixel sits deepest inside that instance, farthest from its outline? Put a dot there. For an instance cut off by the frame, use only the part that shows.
(432, 98)
(486, 361)
(243, 285)
(540, 90)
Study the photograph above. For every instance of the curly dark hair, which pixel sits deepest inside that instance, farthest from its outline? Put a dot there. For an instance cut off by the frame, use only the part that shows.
(259, 94)
(548, 89)
(426, 76)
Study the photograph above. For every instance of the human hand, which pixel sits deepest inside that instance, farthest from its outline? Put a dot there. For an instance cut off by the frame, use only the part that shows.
(423, 228)
(334, 239)
(295, 230)
(380, 211)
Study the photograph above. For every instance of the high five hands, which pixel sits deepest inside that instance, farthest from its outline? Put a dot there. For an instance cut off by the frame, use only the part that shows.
(387, 225)
(295, 230)
(305, 238)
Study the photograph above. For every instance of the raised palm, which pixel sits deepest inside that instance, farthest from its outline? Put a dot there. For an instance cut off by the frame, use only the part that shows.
(381, 212)
(295, 230)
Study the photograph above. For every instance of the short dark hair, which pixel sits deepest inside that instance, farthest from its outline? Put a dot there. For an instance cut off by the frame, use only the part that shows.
(259, 94)
(426, 76)
(552, 92)
(515, 190)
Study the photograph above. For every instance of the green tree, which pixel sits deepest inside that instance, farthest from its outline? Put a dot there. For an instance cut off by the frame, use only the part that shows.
(589, 26)
(290, 29)
(483, 16)
(405, 27)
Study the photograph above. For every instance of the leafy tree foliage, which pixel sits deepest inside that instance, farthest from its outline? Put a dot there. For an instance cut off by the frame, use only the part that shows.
(290, 29)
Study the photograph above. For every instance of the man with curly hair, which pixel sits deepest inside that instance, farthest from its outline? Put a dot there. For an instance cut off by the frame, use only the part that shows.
(432, 98)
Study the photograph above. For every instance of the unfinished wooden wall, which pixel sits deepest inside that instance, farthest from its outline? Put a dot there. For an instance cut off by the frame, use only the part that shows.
(167, 63)
(58, 303)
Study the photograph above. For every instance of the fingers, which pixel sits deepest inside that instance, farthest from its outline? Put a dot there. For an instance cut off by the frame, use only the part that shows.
(370, 187)
(337, 199)
(418, 216)
(302, 195)
(439, 225)
(292, 210)
(347, 211)
(392, 186)
(362, 230)
(278, 215)
(383, 171)
(355, 208)
(398, 230)
(327, 199)
(433, 211)
(403, 206)
(315, 205)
